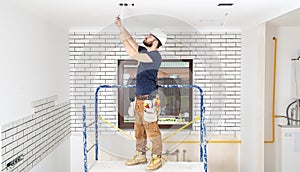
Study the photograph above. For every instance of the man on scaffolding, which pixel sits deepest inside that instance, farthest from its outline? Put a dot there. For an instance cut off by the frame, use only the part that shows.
(147, 105)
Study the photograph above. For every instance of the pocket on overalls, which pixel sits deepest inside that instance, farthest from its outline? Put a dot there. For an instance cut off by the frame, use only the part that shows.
(131, 108)
(151, 109)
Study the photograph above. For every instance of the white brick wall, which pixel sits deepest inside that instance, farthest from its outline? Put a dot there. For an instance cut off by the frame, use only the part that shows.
(216, 69)
(35, 136)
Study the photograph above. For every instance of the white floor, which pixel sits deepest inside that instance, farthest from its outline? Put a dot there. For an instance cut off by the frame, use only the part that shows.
(116, 166)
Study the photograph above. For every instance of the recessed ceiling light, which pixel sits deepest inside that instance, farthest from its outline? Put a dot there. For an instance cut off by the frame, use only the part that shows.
(126, 4)
(225, 4)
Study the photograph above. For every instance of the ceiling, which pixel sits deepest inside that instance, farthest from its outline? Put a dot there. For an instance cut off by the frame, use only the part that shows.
(198, 13)
(290, 19)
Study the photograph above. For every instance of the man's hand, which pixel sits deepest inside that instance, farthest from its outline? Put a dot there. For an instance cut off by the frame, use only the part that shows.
(129, 43)
(118, 22)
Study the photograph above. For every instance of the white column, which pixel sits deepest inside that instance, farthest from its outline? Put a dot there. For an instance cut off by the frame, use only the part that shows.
(252, 118)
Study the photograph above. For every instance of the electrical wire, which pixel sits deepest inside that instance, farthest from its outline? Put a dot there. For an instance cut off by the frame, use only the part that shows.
(296, 85)
(121, 12)
(296, 81)
(287, 112)
(292, 119)
(226, 19)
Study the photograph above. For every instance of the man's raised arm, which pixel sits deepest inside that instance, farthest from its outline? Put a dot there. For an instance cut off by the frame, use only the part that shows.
(130, 44)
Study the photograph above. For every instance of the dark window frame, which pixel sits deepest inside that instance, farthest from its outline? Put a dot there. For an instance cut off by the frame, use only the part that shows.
(128, 125)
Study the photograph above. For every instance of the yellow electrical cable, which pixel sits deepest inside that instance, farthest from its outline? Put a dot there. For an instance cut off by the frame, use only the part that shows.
(172, 134)
(183, 127)
(165, 159)
(120, 130)
(132, 138)
(182, 142)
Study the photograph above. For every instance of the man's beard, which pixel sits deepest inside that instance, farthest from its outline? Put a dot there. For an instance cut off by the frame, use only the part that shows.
(147, 44)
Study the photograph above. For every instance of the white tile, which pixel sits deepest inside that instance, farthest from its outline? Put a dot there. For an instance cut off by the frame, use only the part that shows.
(18, 135)
(18, 150)
(214, 36)
(11, 146)
(7, 126)
(22, 127)
(11, 132)
(28, 130)
(21, 165)
(7, 141)
(22, 140)
(30, 135)
(35, 103)
(107, 36)
(185, 36)
(8, 156)
(2, 136)
(3, 150)
(19, 122)
(82, 40)
(29, 165)
(38, 120)
(76, 36)
(228, 44)
(38, 108)
(30, 147)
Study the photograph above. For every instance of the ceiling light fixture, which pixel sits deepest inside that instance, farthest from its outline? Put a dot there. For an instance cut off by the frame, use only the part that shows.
(126, 4)
(225, 4)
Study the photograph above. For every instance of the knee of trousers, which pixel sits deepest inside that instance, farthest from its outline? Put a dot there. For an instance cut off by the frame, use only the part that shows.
(152, 130)
(139, 131)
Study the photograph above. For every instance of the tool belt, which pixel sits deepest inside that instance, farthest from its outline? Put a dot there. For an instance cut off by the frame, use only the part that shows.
(151, 107)
(145, 97)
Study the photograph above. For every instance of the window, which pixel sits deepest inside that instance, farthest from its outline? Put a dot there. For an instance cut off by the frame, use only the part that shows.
(176, 103)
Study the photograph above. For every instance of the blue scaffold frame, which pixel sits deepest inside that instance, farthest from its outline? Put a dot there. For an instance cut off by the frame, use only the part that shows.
(203, 150)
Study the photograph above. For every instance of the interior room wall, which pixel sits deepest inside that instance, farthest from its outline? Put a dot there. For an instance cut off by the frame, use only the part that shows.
(35, 136)
(288, 46)
(55, 161)
(33, 62)
(270, 148)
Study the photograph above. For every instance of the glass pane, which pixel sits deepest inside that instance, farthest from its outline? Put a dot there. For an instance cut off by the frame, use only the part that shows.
(175, 102)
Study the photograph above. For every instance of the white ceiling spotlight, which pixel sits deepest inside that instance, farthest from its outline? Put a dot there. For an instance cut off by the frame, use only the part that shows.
(227, 5)
(126, 4)
(123, 5)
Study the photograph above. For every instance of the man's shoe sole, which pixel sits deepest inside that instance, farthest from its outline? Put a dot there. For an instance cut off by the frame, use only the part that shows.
(144, 162)
(154, 169)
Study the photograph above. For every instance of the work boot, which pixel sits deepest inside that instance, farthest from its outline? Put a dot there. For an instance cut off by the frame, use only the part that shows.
(138, 158)
(155, 162)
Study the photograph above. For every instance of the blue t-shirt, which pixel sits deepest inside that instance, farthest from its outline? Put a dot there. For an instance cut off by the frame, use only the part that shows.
(146, 77)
